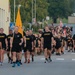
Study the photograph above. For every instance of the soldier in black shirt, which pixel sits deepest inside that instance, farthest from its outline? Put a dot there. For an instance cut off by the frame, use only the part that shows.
(69, 43)
(28, 46)
(47, 38)
(37, 44)
(16, 43)
(9, 49)
(58, 44)
(4, 45)
(33, 39)
(62, 43)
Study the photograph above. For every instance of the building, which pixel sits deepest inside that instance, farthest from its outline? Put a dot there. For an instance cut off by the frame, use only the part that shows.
(71, 19)
(4, 15)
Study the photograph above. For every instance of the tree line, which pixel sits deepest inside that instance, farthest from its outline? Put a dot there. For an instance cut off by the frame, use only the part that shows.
(52, 8)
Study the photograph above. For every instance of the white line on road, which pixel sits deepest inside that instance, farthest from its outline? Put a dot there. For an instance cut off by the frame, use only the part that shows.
(72, 53)
(42, 59)
(73, 59)
(59, 58)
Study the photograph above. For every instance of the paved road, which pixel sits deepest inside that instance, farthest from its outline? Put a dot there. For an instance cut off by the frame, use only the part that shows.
(61, 65)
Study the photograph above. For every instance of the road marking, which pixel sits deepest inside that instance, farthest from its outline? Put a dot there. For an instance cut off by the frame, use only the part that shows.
(73, 59)
(59, 58)
(72, 53)
(42, 59)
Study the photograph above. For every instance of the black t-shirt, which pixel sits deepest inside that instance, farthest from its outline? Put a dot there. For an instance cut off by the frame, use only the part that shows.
(29, 41)
(9, 37)
(47, 37)
(17, 38)
(33, 37)
(58, 41)
(2, 38)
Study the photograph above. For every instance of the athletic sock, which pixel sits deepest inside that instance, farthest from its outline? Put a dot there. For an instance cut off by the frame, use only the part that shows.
(50, 59)
(20, 62)
(46, 59)
(32, 58)
(11, 61)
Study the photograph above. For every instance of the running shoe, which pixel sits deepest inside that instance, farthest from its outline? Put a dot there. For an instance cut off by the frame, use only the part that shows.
(32, 58)
(14, 65)
(50, 59)
(28, 60)
(18, 63)
(46, 60)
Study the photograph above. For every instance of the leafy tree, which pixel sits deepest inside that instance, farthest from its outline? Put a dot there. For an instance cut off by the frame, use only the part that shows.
(59, 8)
(26, 9)
(54, 8)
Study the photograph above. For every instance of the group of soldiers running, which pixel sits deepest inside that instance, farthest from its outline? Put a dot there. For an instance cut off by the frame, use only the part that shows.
(50, 40)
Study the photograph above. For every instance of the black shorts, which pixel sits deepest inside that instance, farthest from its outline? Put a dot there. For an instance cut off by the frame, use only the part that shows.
(24, 48)
(58, 46)
(37, 45)
(71, 45)
(29, 48)
(16, 48)
(3, 46)
(48, 46)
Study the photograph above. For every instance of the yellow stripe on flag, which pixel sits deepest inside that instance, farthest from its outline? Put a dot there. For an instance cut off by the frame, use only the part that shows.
(19, 22)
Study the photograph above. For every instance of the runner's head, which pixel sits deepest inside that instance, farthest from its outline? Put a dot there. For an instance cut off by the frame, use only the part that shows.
(16, 29)
(10, 31)
(30, 32)
(27, 32)
(2, 30)
(46, 29)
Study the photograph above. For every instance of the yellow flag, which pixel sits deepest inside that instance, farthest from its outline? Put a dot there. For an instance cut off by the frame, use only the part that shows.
(19, 22)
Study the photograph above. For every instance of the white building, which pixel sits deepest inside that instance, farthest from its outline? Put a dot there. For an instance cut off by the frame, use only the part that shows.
(4, 15)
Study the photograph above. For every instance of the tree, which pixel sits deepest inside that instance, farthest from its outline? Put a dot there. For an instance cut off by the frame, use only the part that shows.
(42, 9)
(59, 8)
(26, 9)
(54, 8)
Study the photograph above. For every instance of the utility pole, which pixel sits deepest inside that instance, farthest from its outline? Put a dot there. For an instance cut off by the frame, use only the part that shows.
(33, 11)
(14, 11)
